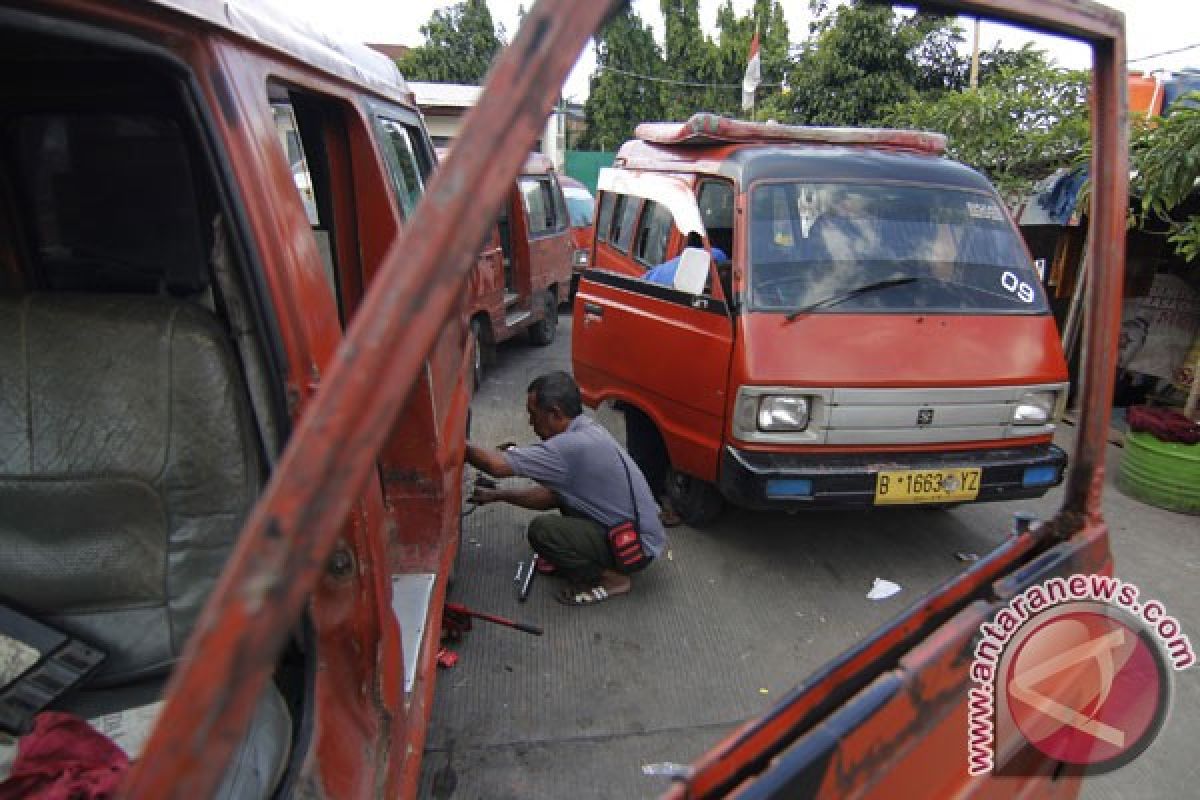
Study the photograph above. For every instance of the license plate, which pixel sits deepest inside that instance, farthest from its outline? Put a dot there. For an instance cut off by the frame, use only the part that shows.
(913, 486)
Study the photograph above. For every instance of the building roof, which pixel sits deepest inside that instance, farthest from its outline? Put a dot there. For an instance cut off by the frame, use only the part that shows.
(445, 95)
(392, 51)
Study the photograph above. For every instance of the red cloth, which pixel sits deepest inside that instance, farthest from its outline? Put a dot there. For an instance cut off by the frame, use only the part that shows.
(1165, 423)
(64, 758)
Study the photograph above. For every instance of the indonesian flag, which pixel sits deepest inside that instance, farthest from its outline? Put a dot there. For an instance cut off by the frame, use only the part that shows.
(753, 75)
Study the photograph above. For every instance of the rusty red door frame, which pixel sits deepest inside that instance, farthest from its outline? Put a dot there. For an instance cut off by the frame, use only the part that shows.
(281, 551)
(283, 546)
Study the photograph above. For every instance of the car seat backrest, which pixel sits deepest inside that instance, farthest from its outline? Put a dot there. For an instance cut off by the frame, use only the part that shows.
(127, 464)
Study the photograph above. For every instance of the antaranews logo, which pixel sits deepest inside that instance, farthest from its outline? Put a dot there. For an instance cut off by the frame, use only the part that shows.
(1076, 667)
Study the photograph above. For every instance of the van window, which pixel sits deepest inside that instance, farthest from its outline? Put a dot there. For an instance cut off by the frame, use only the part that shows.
(579, 207)
(624, 215)
(604, 219)
(716, 209)
(652, 234)
(408, 172)
(894, 248)
(112, 201)
(542, 208)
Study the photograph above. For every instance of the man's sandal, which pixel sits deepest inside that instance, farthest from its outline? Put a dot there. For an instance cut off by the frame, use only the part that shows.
(586, 596)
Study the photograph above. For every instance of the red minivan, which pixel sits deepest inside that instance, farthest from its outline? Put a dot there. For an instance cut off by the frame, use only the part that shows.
(864, 325)
(581, 207)
(524, 271)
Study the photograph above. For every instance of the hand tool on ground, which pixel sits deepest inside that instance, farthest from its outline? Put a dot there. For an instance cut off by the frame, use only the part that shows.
(457, 619)
(528, 582)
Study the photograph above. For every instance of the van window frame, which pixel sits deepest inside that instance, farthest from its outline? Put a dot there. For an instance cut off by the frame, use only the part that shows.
(617, 231)
(555, 221)
(604, 215)
(651, 210)
(385, 116)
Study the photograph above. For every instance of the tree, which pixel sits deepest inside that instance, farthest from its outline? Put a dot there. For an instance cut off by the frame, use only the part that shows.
(1165, 158)
(460, 43)
(1022, 123)
(618, 98)
(690, 58)
(857, 66)
(734, 35)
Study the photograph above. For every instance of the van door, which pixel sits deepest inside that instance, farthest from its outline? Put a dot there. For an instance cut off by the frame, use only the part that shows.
(652, 346)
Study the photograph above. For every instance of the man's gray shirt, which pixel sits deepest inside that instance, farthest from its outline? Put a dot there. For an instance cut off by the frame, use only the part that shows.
(582, 466)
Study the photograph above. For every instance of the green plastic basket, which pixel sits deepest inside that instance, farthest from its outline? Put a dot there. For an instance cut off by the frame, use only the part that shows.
(1161, 473)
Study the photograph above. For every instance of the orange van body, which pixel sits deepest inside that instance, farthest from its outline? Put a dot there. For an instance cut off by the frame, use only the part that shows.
(919, 388)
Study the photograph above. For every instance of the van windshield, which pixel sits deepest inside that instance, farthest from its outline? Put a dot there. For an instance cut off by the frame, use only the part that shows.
(813, 246)
(579, 206)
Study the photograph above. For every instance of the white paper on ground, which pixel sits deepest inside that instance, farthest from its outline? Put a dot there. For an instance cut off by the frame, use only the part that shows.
(881, 589)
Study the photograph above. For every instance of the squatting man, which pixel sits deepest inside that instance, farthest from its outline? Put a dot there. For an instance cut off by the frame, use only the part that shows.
(582, 471)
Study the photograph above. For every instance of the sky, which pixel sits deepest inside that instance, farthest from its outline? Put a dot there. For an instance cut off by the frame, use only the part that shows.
(1152, 26)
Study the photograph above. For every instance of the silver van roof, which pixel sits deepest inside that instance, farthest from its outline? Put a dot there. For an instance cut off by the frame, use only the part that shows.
(276, 26)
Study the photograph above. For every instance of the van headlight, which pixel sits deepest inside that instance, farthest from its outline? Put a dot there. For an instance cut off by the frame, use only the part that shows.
(1035, 408)
(782, 412)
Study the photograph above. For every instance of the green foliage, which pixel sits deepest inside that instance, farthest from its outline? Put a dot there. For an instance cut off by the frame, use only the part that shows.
(857, 66)
(460, 43)
(1165, 158)
(617, 102)
(1026, 120)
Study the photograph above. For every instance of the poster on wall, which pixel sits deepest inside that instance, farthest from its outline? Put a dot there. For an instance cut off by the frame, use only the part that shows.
(1158, 330)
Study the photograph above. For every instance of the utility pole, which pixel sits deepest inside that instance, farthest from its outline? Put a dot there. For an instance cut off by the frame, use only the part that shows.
(974, 81)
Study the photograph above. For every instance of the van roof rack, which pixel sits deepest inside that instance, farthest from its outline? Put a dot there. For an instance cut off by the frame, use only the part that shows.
(708, 129)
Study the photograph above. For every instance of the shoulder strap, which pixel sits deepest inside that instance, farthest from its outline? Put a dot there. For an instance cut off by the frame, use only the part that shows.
(637, 519)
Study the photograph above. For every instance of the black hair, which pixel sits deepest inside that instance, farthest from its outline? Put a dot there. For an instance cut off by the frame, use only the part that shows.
(556, 390)
(694, 239)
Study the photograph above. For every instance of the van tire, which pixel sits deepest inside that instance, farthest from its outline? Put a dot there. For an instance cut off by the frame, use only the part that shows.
(542, 331)
(696, 502)
(646, 448)
(479, 342)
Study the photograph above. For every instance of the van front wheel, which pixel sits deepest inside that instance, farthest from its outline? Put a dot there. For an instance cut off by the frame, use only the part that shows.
(542, 332)
(696, 502)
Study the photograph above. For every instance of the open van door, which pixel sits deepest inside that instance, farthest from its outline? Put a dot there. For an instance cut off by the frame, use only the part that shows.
(676, 339)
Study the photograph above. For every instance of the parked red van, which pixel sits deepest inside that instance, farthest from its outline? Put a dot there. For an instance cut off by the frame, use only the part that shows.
(524, 271)
(863, 325)
(581, 207)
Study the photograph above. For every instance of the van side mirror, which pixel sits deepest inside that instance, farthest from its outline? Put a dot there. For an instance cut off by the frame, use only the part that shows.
(692, 272)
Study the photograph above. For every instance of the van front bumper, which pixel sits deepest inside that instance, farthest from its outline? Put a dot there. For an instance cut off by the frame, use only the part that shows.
(847, 480)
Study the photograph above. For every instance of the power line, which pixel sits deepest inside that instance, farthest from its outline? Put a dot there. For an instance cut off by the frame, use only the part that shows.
(1163, 53)
(655, 79)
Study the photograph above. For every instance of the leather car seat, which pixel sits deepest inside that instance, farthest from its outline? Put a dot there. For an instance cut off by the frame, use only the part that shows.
(128, 461)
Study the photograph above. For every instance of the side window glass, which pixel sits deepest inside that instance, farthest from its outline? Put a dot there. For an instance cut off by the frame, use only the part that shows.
(535, 198)
(289, 137)
(604, 221)
(408, 171)
(307, 158)
(625, 216)
(652, 235)
(560, 205)
(716, 209)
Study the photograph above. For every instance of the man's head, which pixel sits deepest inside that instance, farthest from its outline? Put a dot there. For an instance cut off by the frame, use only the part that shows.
(553, 401)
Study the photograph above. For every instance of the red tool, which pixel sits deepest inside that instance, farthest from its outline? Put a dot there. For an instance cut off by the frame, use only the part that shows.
(457, 620)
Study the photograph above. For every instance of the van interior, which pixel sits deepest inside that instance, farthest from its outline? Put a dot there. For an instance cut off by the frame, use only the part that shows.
(141, 398)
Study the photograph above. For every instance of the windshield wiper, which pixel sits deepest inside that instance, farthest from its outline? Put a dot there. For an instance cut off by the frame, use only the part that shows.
(849, 294)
